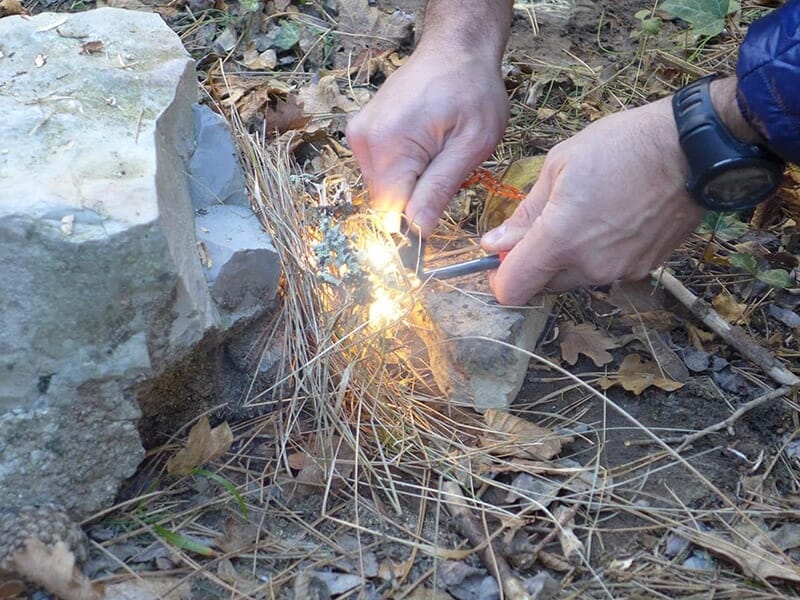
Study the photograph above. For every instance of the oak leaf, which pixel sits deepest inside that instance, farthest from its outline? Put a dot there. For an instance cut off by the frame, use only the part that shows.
(509, 435)
(203, 445)
(636, 375)
(286, 115)
(586, 339)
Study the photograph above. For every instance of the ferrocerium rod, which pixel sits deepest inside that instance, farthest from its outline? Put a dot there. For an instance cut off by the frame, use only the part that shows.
(469, 267)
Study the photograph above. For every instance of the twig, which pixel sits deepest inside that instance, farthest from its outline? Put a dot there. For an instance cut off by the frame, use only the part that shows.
(686, 440)
(468, 526)
(572, 548)
(727, 423)
(564, 518)
(732, 334)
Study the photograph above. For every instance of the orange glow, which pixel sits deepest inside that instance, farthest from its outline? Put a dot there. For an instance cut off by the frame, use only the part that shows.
(384, 310)
(380, 256)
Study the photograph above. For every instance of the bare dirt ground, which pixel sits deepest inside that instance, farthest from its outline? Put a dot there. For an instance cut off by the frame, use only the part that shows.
(625, 507)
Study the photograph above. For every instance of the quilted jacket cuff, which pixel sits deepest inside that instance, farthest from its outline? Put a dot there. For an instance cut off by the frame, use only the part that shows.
(769, 80)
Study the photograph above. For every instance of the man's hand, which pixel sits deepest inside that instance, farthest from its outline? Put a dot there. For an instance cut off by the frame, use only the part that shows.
(610, 204)
(438, 116)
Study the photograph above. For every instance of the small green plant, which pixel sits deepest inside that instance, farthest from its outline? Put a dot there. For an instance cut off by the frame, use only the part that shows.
(707, 17)
(287, 36)
(649, 23)
(724, 226)
(777, 278)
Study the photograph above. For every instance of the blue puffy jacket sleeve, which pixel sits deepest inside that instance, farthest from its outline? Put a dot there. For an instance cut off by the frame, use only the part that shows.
(769, 79)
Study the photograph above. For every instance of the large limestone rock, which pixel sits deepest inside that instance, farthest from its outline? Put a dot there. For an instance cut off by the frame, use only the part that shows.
(102, 284)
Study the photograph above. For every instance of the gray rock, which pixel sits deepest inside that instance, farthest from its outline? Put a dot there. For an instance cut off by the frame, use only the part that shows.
(241, 265)
(102, 288)
(215, 175)
(474, 344)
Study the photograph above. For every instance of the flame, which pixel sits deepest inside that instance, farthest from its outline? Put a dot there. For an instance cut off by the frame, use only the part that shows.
(385, 308)
(380, 256)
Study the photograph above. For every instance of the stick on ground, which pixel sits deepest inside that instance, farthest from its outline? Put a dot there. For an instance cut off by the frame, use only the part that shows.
(470, 528)
(732, 334)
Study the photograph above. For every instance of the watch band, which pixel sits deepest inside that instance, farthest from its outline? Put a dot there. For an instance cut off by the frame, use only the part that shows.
(710, 148)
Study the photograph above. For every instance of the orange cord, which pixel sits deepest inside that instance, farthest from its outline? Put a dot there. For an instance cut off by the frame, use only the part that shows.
(487, 180)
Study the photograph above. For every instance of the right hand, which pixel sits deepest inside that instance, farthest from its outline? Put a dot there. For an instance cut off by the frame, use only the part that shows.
(431, 123)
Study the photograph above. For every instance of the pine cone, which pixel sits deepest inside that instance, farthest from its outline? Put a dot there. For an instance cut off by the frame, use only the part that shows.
(49, 523)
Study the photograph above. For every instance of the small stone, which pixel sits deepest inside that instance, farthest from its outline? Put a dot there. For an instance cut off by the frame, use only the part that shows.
(696, 360)
(700, 561)
(478, 350)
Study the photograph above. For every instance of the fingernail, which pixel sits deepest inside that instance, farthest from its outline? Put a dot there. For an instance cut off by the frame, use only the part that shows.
(424, 220)
(493, 237)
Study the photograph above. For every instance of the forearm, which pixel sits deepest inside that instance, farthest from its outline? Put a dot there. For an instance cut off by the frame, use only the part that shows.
(467, 26)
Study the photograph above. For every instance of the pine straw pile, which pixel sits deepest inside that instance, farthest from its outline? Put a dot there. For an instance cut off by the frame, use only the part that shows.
(358, 480)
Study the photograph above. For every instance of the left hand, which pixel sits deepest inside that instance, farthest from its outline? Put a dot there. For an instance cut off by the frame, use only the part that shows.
(611, 203)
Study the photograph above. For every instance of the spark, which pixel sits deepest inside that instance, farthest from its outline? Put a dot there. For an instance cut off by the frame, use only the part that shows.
(380, 256)
(385, 308)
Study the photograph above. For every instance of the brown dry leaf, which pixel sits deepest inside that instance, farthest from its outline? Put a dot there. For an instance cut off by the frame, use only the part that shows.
(315, 470)
(390, 570)
(286, 116)
(698, 337)
(509, 435)
(371, 27)
(640, 303)
(324, 103)
(259, 61)
(728, 308)
(521, 175)
(11, 7)
(636, 375)
(53, 568)
(668, 360)
(203, 445)
(237, 535)
(92, 47)
(585, 339)
(752, 556)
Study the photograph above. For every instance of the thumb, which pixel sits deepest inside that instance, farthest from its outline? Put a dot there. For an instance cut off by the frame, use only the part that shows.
(527, 269)
(436, 187)
(509, 233)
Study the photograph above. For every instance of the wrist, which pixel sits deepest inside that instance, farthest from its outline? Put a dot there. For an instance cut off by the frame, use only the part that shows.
(728, 168)
(477, 28)
(723, 97)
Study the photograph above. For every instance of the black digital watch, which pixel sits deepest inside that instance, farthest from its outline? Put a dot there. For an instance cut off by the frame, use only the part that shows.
(725, 174)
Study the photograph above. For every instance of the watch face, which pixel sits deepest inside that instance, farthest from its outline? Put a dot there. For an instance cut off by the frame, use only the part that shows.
(740, 186)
